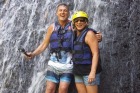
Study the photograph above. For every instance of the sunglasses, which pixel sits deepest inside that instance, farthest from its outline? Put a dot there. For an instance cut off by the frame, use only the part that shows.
(81, 20)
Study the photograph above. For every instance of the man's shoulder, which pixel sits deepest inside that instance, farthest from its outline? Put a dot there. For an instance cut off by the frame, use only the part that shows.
(50, 28)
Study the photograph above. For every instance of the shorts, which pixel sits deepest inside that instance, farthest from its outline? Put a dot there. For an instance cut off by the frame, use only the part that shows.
(56, 78)
(84, 79)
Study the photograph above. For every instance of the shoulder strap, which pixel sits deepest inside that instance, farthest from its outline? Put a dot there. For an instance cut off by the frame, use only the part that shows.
(56, 26)
(68, 26)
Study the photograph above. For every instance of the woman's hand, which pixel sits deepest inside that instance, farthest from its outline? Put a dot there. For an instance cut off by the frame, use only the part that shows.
(91, 77)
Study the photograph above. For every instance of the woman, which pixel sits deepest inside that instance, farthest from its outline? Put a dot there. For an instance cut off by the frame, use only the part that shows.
(85, 55)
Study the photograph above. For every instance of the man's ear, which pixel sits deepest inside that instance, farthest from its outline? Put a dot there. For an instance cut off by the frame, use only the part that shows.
(56, 13)
(69, 14)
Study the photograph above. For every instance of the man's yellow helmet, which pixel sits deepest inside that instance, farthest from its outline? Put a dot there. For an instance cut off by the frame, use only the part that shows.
(79, 14)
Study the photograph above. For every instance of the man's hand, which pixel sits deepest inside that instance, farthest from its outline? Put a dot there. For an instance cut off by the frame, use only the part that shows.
(99, 36)
(27, 55)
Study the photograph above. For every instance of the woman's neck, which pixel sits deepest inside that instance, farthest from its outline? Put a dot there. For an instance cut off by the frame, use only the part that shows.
(80, 31)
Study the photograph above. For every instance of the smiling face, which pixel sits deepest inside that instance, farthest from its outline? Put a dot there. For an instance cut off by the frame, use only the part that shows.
(62, 13)
(80, 23)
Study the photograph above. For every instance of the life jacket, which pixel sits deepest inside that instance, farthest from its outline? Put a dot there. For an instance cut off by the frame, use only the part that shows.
(61, 38)
(81, 51)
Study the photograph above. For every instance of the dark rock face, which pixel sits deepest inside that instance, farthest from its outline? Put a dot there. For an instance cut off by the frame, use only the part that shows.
(24, 22)
(121, 53)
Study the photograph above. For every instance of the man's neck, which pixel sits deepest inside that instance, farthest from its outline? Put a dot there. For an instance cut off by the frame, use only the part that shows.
(63, 23)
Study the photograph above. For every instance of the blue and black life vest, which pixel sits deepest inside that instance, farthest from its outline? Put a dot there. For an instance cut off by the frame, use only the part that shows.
(61, 38)
(81, 51)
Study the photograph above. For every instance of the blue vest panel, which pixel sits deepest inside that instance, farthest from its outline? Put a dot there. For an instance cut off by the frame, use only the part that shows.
(61, 38)
(82, 53)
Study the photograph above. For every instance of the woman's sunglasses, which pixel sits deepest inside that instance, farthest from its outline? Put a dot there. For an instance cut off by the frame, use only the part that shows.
(79, 19)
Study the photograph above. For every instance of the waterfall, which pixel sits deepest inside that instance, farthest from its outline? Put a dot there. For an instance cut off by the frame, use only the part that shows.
(23, 23)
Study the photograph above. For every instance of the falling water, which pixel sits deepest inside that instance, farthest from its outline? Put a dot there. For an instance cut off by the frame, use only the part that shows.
(23, 23)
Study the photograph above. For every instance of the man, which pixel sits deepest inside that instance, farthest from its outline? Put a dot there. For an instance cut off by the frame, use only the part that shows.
(60, 37)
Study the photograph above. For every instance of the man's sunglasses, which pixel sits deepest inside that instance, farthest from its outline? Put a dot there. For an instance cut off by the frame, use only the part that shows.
(81, 20)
